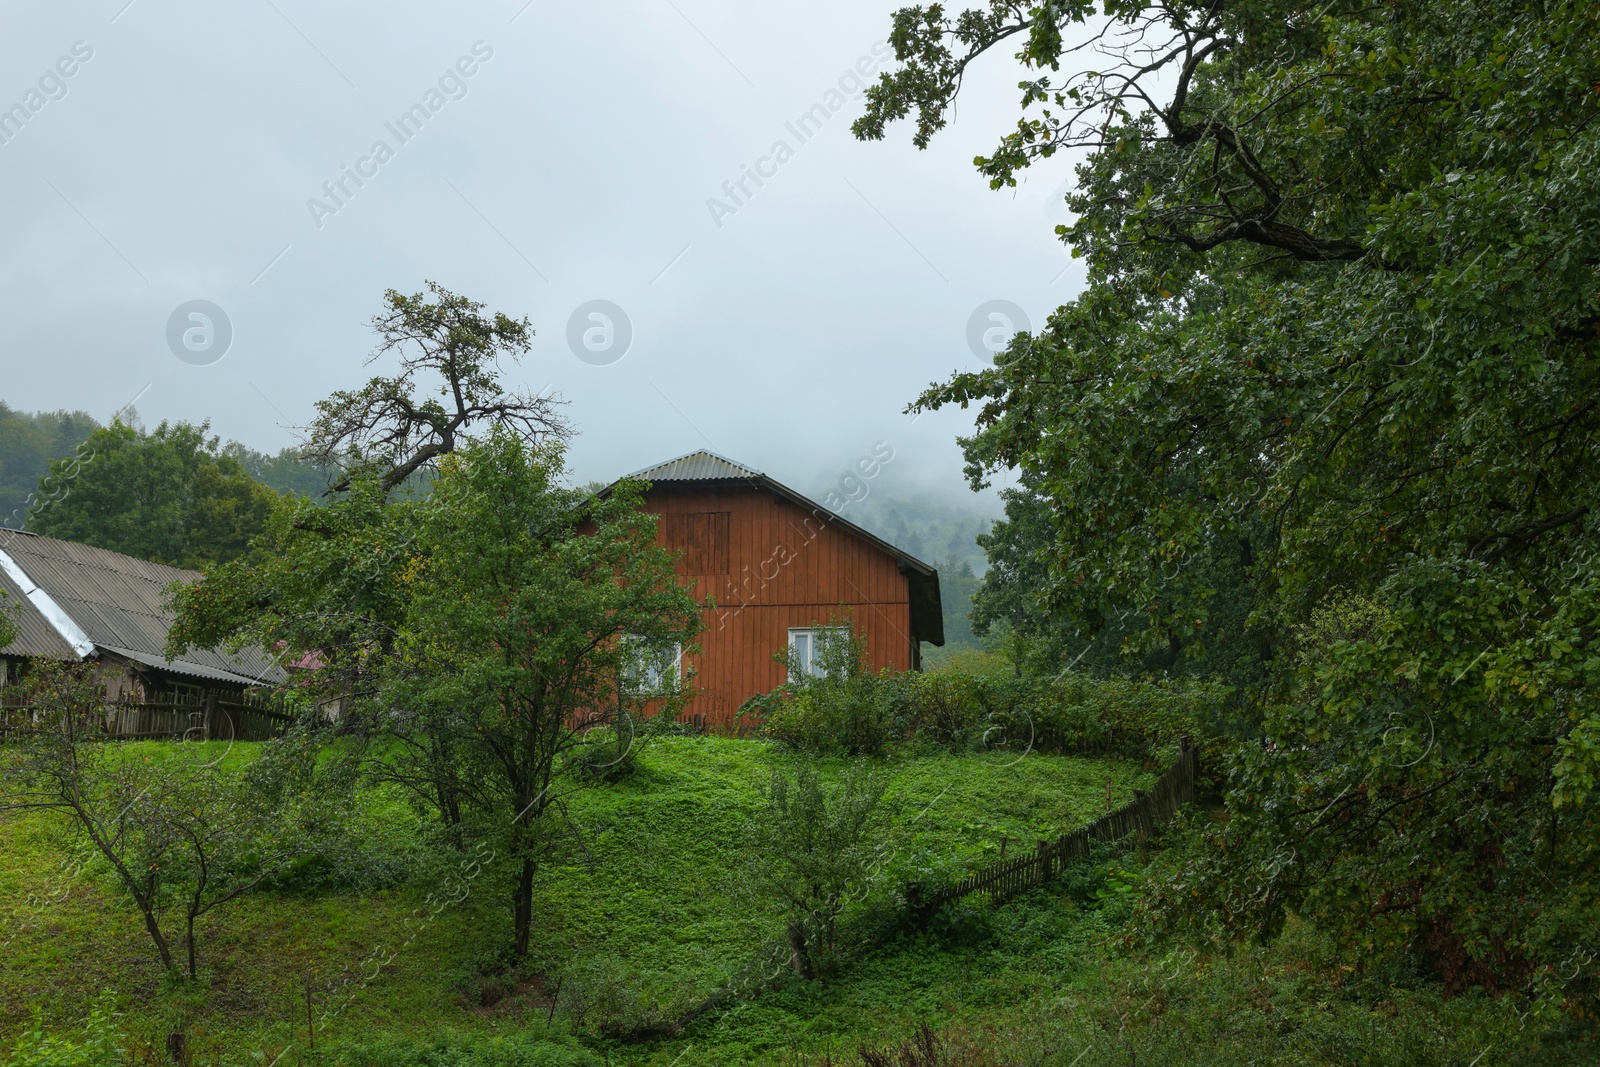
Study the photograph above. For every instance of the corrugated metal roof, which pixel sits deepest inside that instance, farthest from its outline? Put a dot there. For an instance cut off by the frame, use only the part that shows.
(35, 635)
(120, 603)
(699, 466)
(193, 670)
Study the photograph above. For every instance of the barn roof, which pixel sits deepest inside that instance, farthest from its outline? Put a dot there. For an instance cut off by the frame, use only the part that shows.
(697, 467)
(708, 468)
(70, 600)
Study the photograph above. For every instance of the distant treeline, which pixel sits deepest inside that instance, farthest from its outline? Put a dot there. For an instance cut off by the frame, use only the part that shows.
(31, 441)
(175, 494)
(28, 443)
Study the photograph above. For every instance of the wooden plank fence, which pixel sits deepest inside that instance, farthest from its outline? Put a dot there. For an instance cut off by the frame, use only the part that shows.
(205, 720)
(212, 717)
(1006, 878)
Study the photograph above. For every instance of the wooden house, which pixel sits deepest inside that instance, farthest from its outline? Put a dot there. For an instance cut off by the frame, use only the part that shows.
(79, 603)
(785, 572)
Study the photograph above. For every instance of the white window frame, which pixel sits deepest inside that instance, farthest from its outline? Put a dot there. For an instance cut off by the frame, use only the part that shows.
(644, 675)
(806, 644)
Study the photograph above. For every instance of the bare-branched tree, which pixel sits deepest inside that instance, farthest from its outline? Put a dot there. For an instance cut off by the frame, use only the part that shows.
(405, 422)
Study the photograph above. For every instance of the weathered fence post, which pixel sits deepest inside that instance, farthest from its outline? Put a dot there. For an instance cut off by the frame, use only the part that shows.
(1043, 853)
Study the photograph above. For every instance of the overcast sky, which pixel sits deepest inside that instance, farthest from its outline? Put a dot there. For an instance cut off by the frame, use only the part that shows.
(570, 153)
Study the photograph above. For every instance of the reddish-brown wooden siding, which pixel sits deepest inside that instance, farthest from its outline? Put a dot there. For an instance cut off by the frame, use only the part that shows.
(786, 567)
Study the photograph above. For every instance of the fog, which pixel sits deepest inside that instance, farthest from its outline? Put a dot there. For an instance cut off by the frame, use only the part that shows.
(776, 291)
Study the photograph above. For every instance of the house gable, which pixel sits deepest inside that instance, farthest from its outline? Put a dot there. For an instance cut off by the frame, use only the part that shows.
(774, 562)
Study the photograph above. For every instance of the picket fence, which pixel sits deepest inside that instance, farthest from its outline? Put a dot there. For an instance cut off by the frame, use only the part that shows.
(1007, 878)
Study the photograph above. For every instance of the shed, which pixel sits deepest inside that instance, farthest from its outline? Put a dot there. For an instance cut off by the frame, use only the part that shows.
(75, 602)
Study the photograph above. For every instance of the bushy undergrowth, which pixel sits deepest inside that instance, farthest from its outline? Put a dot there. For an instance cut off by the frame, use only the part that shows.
(535, 1046)
(984, 705)
(98, 1043)
(1050, 980)
(531, 1048)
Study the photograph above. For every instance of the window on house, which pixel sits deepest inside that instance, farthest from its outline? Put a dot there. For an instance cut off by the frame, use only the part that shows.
(650, 669)
(809, 648)
(702, 538)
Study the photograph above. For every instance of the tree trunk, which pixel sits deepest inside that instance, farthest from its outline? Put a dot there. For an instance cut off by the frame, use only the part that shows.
(799, 951)
(522, 909)
(189, 941)
(154, 927)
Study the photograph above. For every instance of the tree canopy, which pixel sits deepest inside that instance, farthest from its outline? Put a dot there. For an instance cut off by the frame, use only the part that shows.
(1343, 303)
(484, 630)
(286, 471)
(1120, 636)
(168, 495)
(392, 426)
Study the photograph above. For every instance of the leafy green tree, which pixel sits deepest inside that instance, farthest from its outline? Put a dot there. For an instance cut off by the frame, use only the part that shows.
(1013, 606)
(167, 495)
(485, 630)
(520, 636)
(1342, 268)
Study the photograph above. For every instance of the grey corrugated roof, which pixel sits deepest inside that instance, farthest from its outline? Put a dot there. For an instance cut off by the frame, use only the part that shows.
(119, 602)
(699, 466)
(35, 635)
(241, 671)
(922, 580)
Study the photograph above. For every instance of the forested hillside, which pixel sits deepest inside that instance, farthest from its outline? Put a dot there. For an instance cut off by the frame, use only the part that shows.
(29, 442)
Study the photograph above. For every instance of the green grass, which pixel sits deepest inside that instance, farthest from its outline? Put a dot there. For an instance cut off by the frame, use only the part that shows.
(642, 917)
(642, 908)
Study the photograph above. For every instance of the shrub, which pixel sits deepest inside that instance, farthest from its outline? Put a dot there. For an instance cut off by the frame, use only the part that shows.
(1134, 718)
(809, 851)
(846, 710)
(946, 707)
(101, 1045)
(851, 717)
(602, 992)
(483, 979)
(981, 704)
